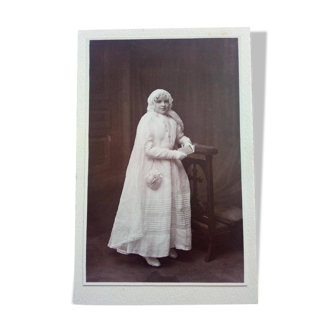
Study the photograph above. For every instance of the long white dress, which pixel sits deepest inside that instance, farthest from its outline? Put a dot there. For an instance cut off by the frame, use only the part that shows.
(150, 222)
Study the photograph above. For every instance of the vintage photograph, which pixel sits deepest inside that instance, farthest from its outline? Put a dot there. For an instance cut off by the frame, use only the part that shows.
(164, 191)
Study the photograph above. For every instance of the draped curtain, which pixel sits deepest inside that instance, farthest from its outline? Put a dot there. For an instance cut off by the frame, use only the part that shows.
(202, 76)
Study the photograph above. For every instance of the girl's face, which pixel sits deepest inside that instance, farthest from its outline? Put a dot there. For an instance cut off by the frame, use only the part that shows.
(161, 105)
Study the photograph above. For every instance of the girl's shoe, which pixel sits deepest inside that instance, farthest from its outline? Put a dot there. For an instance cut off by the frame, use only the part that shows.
(152, 261)
(173, 253)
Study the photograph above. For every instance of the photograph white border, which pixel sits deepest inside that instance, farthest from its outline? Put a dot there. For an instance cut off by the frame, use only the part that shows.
(167, 293)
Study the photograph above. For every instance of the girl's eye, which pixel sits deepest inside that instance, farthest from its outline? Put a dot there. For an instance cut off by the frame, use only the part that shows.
(159, 101)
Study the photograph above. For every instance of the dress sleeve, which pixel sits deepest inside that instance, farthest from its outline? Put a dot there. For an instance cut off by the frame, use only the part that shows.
(181, 139)
(155, 152)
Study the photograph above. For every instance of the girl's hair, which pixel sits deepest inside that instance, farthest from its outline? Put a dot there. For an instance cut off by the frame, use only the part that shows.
(155, 95)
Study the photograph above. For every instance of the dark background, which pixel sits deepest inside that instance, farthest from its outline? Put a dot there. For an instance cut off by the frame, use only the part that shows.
(202, 75)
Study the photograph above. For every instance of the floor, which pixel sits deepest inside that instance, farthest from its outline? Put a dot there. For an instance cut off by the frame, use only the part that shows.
(106, 265)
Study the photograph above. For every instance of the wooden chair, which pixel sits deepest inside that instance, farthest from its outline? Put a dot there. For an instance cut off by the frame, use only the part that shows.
(204, 220)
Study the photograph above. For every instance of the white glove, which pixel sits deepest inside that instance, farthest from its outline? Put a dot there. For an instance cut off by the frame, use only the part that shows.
(184, 140)
(179, 155)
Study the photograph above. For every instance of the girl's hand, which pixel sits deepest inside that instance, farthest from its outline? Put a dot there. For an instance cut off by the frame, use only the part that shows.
(180, 155)
(189, 144)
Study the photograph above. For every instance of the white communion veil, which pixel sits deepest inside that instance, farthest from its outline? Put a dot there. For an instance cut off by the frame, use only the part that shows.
(129, 224)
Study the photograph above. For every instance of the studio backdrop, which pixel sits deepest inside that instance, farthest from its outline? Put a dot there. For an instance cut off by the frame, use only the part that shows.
(202, 75)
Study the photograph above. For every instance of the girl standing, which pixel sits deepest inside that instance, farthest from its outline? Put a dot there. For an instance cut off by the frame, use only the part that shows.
(153, 217)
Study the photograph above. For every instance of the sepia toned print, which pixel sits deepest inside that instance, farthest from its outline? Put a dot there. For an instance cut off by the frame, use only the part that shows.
(197, 207)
